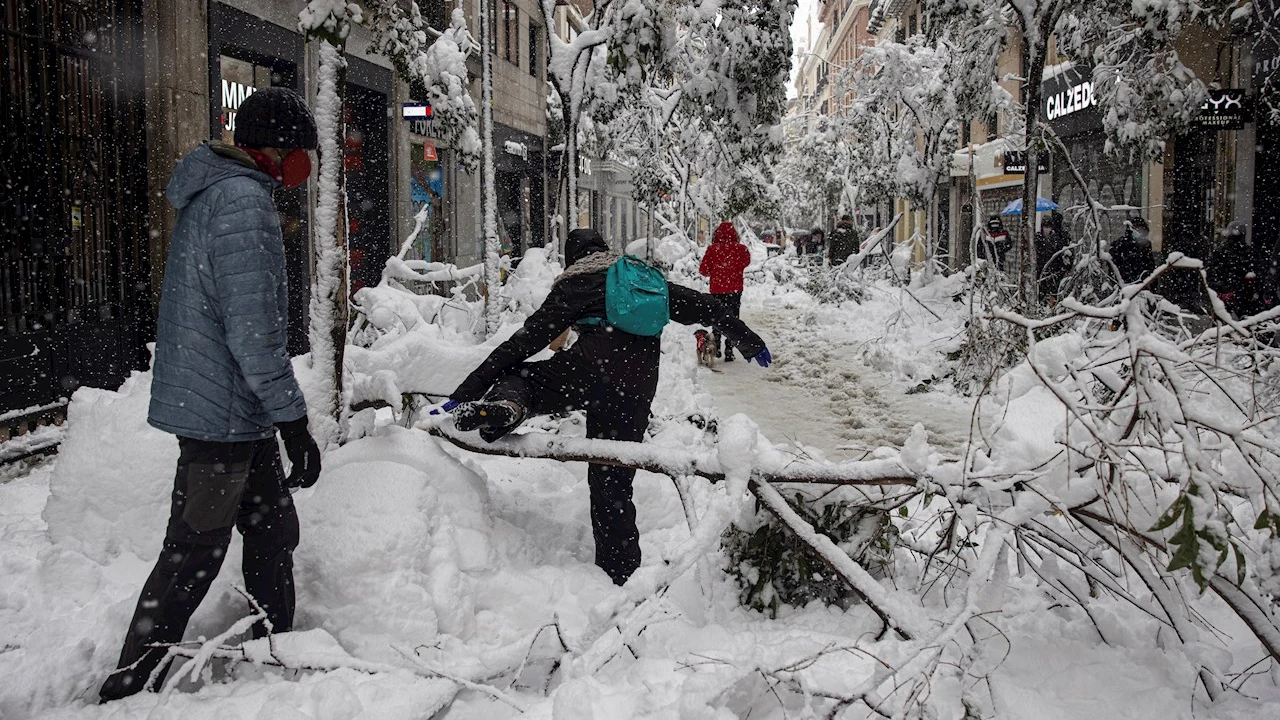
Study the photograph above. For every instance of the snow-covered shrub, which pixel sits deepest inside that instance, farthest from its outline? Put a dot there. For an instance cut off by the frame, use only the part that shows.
(834, 285)
(988, 347)
(773, 567)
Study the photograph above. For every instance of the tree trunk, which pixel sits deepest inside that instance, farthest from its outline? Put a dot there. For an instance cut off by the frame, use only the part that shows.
(571, 177)
(488, 188)
(1035, 48)
(329, 305)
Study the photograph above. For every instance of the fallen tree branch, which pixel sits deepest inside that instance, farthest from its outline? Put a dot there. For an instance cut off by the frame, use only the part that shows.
(674, 461)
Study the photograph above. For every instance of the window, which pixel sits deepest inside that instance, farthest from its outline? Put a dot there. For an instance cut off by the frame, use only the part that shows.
(493, 26)
(511, 32)
(436, 13)
(966, 135)
(912, 26)
(534, 31)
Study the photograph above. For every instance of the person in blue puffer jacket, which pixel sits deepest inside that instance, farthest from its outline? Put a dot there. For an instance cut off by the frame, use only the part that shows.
(223, 383)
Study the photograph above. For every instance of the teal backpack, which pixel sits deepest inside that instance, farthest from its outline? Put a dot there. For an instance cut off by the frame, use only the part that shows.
(635, 297)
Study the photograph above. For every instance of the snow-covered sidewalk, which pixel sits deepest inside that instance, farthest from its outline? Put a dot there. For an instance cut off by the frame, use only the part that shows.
(820, 393)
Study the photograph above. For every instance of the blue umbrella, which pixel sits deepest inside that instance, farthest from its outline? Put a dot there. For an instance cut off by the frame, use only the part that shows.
(1042, 205)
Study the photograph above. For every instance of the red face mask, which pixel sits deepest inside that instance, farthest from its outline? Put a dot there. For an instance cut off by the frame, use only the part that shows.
(295, 169)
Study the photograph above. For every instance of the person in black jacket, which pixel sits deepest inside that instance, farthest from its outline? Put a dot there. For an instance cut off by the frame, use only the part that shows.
(1232, 273)
(1132, 252)
(844, 241)
(1053, 258)
(610, 374)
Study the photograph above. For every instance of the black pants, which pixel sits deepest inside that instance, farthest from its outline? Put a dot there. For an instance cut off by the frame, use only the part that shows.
(614, 381)
(732, 303)
(217, 485)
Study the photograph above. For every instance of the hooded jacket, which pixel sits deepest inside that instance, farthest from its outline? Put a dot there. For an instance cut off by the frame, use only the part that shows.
(843, 241)
(1133, 259)
(221, 371)
(630, 361)
(725, 260)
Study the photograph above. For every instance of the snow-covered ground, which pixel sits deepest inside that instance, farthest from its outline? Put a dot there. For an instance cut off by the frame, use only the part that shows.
(420, 560)
(820, 392)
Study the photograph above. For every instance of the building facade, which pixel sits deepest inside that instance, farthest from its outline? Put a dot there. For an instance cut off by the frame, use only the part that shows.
(75, 259)
(105, 96)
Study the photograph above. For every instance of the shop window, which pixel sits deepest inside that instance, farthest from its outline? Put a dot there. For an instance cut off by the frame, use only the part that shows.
(240, 79)
(427, 189)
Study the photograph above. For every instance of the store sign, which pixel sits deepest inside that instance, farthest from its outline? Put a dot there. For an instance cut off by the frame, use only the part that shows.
(1224, 110)
(1266, 41)
(233, 93)
(426, 128)
(1072, 100)
(1014, 162)
(520, 150)
(429, 152)
(416, 111)
(1070, 103)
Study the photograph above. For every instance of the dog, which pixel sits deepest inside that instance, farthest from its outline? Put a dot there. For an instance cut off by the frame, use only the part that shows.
(706, 347)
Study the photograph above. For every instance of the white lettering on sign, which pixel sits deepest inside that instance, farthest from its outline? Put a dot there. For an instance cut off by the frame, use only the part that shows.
(233, 93)
(1073, 99)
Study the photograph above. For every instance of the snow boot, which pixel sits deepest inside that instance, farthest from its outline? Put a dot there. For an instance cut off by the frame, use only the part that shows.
(493, 418)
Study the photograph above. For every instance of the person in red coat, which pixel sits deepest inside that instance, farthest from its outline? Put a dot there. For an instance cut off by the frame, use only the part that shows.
(723, 263)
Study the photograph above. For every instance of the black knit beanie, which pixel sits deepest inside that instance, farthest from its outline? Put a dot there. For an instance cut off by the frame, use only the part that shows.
(275, 117)
(581, 243)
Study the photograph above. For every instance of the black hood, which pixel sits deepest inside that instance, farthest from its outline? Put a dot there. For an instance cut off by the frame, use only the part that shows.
(581, 243)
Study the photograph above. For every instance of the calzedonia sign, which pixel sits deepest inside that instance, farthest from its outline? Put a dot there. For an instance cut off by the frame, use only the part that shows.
(1069, 102)
(1073, 99)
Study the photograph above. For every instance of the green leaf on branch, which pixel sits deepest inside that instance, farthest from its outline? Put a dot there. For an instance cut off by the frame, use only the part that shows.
(1185, 555)
(1240, 564)
(1166, 520)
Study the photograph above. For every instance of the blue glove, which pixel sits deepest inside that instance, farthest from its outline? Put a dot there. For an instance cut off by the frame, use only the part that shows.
(763, 359)
(447, 407)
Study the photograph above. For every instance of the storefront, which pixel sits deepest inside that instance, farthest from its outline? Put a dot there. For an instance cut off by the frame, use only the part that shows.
(247, 53)
(428, 190)
(519, 184)
(75, 303)
(1265, 98)
(1070, 107)
(367, 160)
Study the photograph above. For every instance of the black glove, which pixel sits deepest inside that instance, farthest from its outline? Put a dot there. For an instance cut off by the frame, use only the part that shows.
(303, 453)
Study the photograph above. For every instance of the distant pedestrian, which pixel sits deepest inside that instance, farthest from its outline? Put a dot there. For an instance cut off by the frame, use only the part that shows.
(844, 240)
(1053, 257)
(610, 373)
(1234, 275)
(817, 244)
(1132, 253)
(996, 247)
(724, 263)
(223, 383)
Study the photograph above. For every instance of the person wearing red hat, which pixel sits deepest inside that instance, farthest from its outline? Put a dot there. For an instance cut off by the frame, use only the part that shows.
(724, 263)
